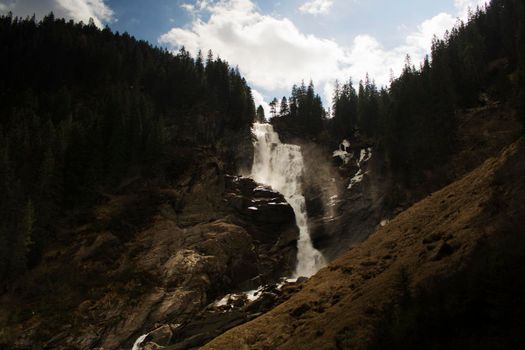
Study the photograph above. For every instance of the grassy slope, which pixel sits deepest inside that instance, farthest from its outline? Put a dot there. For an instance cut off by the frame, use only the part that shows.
(360, 300)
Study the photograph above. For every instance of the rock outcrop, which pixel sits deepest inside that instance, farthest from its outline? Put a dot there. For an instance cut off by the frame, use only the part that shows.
(368, 297)
(217, 318)
(153, 257)
(342, 215)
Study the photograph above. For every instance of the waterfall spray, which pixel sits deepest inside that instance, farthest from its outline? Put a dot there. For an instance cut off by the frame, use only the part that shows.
(281, 167)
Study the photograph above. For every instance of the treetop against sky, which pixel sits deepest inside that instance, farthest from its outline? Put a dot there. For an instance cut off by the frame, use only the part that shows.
(277, 43)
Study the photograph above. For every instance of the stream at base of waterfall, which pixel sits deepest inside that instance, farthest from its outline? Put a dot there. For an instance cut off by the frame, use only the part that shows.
(281, 166)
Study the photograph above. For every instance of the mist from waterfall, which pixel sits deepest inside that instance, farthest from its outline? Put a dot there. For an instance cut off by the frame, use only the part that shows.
(281, 167)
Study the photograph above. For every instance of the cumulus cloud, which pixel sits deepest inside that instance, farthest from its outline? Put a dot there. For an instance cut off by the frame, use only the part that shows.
(316, 7)
(78, 10)
(436, 26)
(259, 100)
(273, 54)
(200, 5)
(463, 6)
(188, 7)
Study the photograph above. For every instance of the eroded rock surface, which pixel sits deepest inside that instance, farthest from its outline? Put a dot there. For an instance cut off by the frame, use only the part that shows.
(153, 260)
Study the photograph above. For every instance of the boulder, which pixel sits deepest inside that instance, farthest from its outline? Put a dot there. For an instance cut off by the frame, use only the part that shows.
(161, 335)
(258, 203)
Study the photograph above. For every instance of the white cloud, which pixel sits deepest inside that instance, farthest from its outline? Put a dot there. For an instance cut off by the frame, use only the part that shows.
(188, 7)
(368, 55)
(78, 10)
(259, 100)
(273, 54)
(436, 26)
(316, 7)
(463, 6)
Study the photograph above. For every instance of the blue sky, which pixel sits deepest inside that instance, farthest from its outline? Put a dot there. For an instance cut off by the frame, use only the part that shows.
(277, 43)
(388, 20)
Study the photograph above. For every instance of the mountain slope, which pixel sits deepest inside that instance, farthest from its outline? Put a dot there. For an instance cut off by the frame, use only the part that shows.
(85, 111)
(359, 300)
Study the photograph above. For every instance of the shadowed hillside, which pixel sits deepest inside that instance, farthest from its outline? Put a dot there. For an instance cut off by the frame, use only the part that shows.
(443, 274)
(124, 221)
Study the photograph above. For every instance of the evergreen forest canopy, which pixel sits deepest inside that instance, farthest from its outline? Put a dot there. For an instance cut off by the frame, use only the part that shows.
(414, 122)
(82, 109)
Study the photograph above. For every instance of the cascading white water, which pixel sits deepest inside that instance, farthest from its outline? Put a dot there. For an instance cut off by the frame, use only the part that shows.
(281, 167)
(138, 343)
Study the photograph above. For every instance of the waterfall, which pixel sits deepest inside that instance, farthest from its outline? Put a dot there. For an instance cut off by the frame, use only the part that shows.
(281, 167)
(138, 343)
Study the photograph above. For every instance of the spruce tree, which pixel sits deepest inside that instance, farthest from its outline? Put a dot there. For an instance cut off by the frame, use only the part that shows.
(284, 109)
(199, 64)
(260, 115)
(22, 241)
(4, 252)
(273, 107)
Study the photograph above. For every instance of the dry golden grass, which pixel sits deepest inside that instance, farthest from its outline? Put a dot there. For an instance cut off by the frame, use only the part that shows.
(341, 306)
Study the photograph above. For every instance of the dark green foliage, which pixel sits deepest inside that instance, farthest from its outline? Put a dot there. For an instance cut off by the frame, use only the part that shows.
(414, 121)
(82, 109)
(344, 110)
(21, 241)
(520, 45)
(273, 107)
(284, 110)
(260, 117)
(303, 112)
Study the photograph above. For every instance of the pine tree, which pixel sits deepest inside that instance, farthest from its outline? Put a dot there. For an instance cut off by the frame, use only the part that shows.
(5, 178)
(199, 64)
(209, 58)
(284, 109)
(67, 134)
(22, 241)
(520, 48)
(4, 253)
(48, 193)
(260, 115)
(293, 102)
(273, 107)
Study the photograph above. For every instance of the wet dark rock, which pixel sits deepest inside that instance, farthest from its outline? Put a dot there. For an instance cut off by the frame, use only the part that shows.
(257, 202)
(265, 301)
(301, 280)
(216, 320)
(269, 219)
(205, 327)
(340, 217)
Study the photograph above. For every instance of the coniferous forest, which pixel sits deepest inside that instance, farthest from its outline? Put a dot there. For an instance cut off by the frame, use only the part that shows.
(82, 109)
(146, 202)
(413, 121)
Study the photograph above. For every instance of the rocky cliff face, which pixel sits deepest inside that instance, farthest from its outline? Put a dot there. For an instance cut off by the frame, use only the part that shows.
(149, 256)
(348, 200)
(154, 257)
(449, 264)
